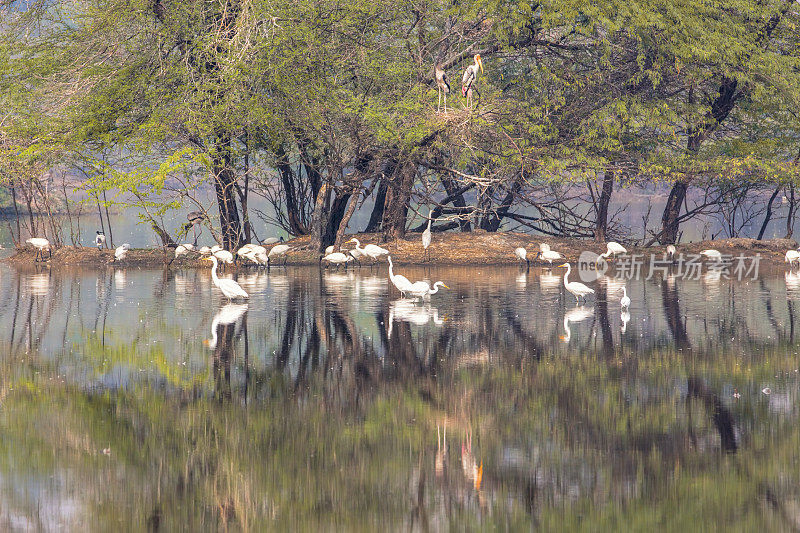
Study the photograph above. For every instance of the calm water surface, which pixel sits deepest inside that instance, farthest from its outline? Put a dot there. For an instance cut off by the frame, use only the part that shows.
(141, 399)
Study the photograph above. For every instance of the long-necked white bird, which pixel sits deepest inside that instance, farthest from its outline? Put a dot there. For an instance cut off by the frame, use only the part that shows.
(426, 235)
(421, 289)
(792, 256)
(612, 248)
(712, 254)
(41, 244)
(400, 282)
(337, 258)
(329, 250)
(355, 254)
(224, 256)
(547, 254)
(671, 251)
(277, 251)
(229, 287)
(522, 255)
(121, 251)
(204, 250)
(228, 314)
(469, 78)
(373, 251)
(625, 301)
(578, 289)
(272, 240)
(181, 250)
(99, 239)
(442, 86)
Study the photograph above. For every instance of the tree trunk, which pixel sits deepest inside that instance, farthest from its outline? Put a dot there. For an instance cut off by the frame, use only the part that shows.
(601, 224)
(225, 185)
(351, 208)
(335, 216)
(768, 215)
(376, 217)
(319, 219)
(669, 221)
(398, 195)
(792, 210)
(293, 207)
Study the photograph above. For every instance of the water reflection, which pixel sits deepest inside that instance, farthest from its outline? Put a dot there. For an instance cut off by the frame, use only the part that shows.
(315, 404)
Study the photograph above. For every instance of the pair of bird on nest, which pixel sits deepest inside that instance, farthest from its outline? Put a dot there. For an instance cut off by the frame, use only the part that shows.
(467, 82)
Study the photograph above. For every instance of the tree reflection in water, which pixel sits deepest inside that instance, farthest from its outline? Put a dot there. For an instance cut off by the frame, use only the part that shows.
(327, 402)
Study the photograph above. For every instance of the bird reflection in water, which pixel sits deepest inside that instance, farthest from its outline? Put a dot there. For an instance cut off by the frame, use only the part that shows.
(576, 314)
(549, 282)
(223, 329)
(440, 459)
(407, 310)
(225, 317)
(625, 317)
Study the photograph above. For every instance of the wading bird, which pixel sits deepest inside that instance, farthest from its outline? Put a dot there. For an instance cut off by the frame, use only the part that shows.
(195, 219)
(99, 239)
(356, 255)
(426, 235)
(229, 287)
(277, 251)
(547, 254)
(469, 78)
(224, 256)
(612, 248)
(373, 251)
(121, 252)
(182, 250)
(578, 289)
(399, 281)
(337, 258)
(522, 255)
(792, 256)
(442, 86)
(204, 250)
(625, 301)
(671, 251)
(41, 244)
(712, 254)
(421, 289)
(272, 240)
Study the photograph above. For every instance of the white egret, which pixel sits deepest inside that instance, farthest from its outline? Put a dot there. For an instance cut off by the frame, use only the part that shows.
(181, 250)
(224, 256)
(712, 254)
(228, 314)
(426, 235)
(356, 255)
(578, 289)
(792, 256)
(576, 314)
(399, 281)
(277, 251)
(671, 251)
(204, 250)
(522, 255)
(121, 252)
(625, 301)
(40, 244)
(215, 248)
(229, 287)
(547, 254)
(188, 246)
(329, 250)
(337, 258)
(421, 289)
(469, 78)
(99, 239)
(442, 86)
(272, 240)
(612, 248)
(373, 251)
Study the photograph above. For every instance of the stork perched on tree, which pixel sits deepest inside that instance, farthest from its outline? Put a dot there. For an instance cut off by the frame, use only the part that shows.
(442, 86)
(469, 78)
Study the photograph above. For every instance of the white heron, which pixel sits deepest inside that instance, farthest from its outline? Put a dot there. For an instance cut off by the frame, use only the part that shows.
(204, 250)
(99, 239)
(401, 282)
(547, 254)
(426, 235)
(373, 251)
(229, 287)
(612, 248)
(224, 256)
(578, 289)
(337, 258)
(41, 244)
(422, 289)
(576, 314)
(442, 86)
(356, 255)
(329, 250)
(181, 250)
(277, 251)
(469, 78)
(792, 256)
(712, 254)
(522, 255)
(121, 252)
(625, 301)
(228, 314)
(671, 251)
(272, 240)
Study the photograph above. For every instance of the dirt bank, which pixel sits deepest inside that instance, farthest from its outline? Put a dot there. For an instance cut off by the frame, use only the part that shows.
(476, 248)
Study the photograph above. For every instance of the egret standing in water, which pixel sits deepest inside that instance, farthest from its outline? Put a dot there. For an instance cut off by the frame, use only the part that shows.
(421, 289)
(469, 78)
(522, 255)
(612, 248)
(442, 86)
(277, 251)
(578, 289)
(373, 251)
(398, 280)
(426, 235)
(229, 287)
(547, 254)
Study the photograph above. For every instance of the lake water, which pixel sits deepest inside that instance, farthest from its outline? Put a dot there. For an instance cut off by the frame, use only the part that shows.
(140, 399)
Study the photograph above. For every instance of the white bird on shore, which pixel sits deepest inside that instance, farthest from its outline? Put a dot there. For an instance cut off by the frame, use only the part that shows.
(522, 255)
(121, 252)
(337, 258)
(356, 255)
(215, 248)
(578, 289)
(272, 240)
(671, 251)
(277, 251)
(329, 250)
(224, 256)
(99, 239)
(712, 254)
(792, 256)
(204, 250)
(40, 244)
(426, 235)
(625, 301)
(227, 315)
(373, 251)
(421, 289)
(398, 280)
(181, 250)
(229, 287)
(612, 248)
(547, 254)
